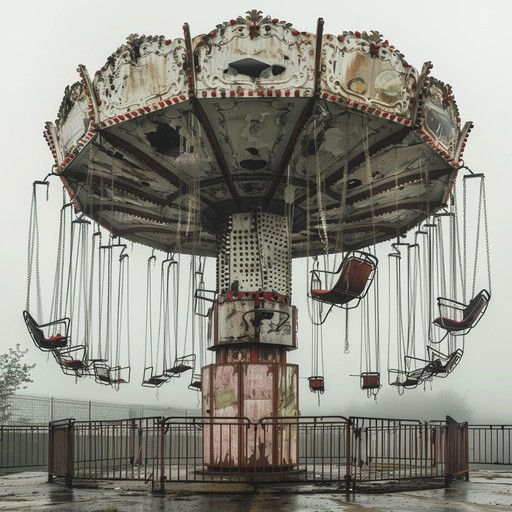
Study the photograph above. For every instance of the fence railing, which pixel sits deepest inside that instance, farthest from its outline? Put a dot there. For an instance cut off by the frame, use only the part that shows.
(23, 446)
(490, 444)
(390, 449)
(304, 449)
(184, 449)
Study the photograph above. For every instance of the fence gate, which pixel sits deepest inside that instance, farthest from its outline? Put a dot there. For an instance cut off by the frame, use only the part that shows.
(457, 449)
(60, 450)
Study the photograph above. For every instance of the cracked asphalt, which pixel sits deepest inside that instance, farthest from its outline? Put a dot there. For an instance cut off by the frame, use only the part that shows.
(487, 490)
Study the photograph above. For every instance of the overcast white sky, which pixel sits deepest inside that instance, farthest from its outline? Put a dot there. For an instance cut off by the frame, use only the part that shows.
(466, 40)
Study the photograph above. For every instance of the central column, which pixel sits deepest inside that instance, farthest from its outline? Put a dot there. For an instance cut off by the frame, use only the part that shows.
(252, 328)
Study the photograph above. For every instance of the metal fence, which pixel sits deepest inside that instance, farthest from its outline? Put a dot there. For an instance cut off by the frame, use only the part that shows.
(490, 444)
(34, 409)
(23, 446)
(347, 452)
(391, 449)
(337, 450)
(180, 449)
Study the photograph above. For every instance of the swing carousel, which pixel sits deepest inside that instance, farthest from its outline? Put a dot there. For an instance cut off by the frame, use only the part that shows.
(256, 144)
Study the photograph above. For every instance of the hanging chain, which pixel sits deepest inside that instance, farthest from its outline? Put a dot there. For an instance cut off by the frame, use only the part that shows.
(319, 196)
(290, 206)
(346, 348)
(486, 231)
(369, 176)
(464, 240)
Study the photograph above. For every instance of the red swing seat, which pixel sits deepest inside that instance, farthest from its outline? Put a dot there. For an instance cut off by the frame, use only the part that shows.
(316, 384)
(73, 360)
(370, 380)
(356, 274)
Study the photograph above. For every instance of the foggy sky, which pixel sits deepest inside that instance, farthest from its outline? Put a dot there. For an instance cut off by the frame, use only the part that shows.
(466, 42)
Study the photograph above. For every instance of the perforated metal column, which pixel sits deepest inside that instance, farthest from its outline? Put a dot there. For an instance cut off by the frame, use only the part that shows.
(254, 253)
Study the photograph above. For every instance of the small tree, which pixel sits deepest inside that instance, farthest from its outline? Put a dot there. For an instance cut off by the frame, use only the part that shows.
(13, 376)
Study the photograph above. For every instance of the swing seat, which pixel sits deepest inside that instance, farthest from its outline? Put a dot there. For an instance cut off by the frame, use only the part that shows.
(370, 380)
(182, 364)
(195, 383)
(74, 364)
(458, 318)
(442, 365)
(43, 342)
(153, 381)
(179, 368)
(73, 360)
(410, 379)
(111, 376)
(356, 274)
(316, 384)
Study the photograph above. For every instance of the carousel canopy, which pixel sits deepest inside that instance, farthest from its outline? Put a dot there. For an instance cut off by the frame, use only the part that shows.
(339, 134)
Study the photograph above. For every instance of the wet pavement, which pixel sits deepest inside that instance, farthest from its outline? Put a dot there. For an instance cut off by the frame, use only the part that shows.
(487, 490)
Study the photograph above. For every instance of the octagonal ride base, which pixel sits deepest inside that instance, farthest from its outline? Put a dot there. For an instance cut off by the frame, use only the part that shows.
(258, 392)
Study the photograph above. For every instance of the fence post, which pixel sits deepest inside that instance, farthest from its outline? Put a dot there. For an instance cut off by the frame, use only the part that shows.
(51, 441)
(457, 450)
(61, 450)
(349, 484)
(161, 457)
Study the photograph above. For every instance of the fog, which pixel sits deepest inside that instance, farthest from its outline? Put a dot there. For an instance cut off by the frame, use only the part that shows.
(465, 41)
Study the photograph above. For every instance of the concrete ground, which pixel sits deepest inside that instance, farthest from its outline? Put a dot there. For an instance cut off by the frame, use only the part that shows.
(487, 490)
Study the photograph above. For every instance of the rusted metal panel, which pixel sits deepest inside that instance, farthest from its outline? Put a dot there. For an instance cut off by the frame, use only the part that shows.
(225, 385)
(266, 391)
(206, 378)
(254, 53)
(286, 445)
(225, 439)
(234, 323)
(365, 68)
(288, 390)
(258, 397)
(206, 390)
(141, 72)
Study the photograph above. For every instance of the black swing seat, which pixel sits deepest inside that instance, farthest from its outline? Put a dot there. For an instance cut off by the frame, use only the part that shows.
(43, 342)
(182, 364)
(442, 365)
(438, 365)
(411, 378)
(316, 384)
(458, 318)
(195, 382)
(150, 380)
(110, 375)
(356, 274)
(179, 368)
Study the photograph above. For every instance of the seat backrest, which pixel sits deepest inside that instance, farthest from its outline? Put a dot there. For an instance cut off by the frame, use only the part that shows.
(354, 276)
(102, 373)
(476, 308)
(33, 327)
